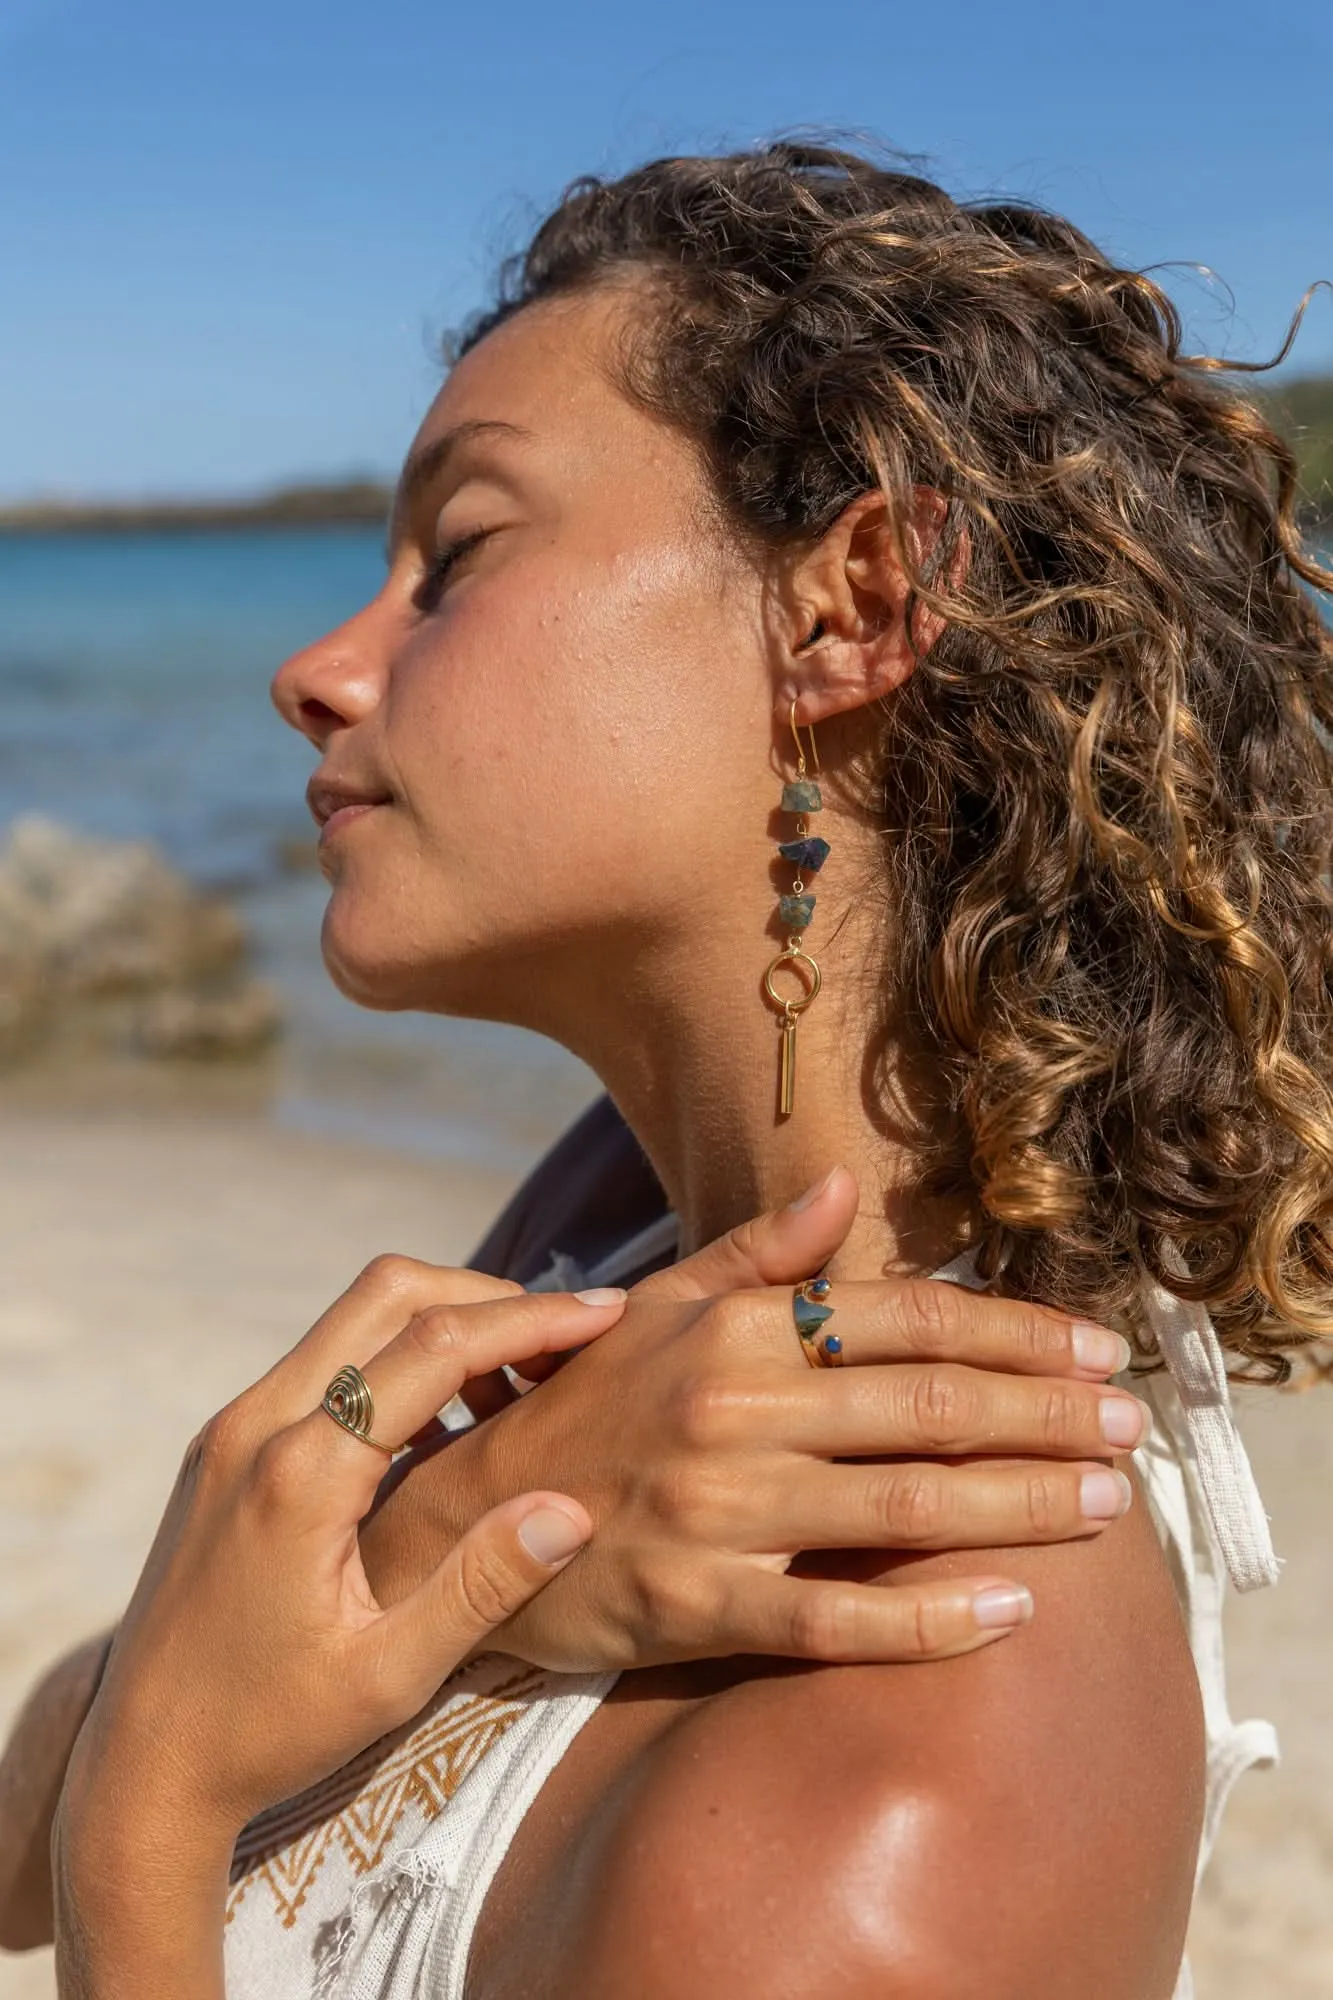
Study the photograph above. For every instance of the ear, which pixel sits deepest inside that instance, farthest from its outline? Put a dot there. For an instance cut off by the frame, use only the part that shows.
(852, 601)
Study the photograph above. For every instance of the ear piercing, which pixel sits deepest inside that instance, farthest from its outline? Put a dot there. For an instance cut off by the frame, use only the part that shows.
(807, 854)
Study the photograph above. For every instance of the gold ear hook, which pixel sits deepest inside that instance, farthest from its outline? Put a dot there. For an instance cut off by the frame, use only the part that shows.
(800, 749)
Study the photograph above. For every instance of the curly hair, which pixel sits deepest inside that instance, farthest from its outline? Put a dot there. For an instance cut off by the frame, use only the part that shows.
(1108, 784)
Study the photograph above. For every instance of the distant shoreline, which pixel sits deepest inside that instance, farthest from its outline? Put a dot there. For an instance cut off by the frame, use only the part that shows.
(351, 503)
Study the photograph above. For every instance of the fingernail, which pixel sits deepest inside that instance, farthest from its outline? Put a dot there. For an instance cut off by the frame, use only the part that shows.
(1103, 1495)
(1097, 1350)
(603, 1295)
(550, 1535)
(812, 1194)
(1124, 1420)
(1002, 1604)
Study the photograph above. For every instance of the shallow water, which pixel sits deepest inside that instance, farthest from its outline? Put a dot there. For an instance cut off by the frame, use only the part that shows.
(134, 676)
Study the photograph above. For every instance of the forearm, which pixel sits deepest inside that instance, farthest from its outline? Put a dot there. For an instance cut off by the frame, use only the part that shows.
(138, 1916)
(32, 1772)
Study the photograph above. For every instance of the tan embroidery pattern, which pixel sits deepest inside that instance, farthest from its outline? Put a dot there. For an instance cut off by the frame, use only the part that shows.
(361, 1808)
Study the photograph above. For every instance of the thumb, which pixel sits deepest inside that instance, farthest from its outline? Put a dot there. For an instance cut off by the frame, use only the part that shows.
(504, 1559)
(779, 1248)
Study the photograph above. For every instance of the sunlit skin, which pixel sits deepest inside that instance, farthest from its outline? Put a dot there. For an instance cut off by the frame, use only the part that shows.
(582, 733)
(572, 746)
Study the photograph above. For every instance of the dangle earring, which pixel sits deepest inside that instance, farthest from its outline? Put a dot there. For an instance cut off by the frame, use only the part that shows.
(807, 854)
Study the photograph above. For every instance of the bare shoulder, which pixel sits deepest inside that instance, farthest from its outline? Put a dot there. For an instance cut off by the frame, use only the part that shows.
(1020, 1821)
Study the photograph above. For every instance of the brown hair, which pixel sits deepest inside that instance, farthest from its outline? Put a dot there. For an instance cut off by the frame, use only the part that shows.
(1108, 784)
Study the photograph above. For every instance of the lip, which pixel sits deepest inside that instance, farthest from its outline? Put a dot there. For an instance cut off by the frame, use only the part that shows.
(334, 805)
(344, 815)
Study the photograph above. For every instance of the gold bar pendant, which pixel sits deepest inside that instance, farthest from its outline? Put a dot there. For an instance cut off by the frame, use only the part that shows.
(787, 1075)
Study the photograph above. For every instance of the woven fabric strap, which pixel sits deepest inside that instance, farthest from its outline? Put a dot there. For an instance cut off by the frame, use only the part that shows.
(1191, 1350)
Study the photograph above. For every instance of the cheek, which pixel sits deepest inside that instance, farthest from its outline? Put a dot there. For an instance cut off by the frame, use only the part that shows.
(571, 743)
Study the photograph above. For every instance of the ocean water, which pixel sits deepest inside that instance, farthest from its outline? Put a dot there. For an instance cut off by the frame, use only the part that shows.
(134, 675)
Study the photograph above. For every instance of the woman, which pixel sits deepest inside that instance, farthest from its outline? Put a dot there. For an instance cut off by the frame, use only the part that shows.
(757, 455)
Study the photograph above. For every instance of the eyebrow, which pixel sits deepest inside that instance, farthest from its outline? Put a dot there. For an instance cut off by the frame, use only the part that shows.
(426, 464)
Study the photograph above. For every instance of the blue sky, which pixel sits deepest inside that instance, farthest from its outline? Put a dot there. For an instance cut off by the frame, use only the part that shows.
(229, 235)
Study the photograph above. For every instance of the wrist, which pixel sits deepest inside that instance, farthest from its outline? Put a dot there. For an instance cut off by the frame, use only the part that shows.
(119, 1818)
(140, 1898)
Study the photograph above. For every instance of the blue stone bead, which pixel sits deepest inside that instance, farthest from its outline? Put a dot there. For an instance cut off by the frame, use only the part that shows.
(808, 856)
(796, 911)
(802, 795)
(832, 1344)
(808, 1316)
(818, 1288)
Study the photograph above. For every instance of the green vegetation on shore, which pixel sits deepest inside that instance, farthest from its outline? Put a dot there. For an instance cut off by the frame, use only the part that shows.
(305, 506)
(1302, 410)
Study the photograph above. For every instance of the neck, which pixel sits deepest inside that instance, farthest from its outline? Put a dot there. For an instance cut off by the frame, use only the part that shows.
(691, 1059)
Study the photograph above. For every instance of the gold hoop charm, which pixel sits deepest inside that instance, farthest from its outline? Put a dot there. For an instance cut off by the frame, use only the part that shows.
(814, 979)
(349, 1402)
(791, 1011)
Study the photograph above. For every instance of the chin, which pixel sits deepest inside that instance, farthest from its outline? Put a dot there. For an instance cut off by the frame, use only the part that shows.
(366, 967)
(365, 958)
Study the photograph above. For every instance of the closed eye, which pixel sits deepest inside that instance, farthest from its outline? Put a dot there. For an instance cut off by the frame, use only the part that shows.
(441, 567)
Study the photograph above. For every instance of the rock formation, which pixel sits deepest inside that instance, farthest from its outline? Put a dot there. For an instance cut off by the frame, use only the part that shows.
(103, 940)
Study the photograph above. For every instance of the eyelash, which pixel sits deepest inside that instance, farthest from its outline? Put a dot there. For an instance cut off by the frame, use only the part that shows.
(441, 565)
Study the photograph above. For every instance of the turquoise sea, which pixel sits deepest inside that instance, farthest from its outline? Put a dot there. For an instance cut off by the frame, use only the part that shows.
(134, 674)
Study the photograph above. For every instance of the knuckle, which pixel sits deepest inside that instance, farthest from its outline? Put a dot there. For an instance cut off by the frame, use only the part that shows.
(823, 1625)
(914, 1506)
(678, 1605)
(707, 1409)
(927, 1624)
(1042, 1336)
(390, 1273)
(942, 1406)
(929, 1316)
(280, 1472)
(489, 1588)
(1047, 1504)
(725, 1325)
(221, 1445)
(691, 1500)
(1061, 1415)
(434, 1331)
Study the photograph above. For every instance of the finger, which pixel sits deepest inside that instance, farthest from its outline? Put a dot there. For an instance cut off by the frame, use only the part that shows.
(805, 1619)
(488, 1395)
(427, 1362)
(369, 1313)
(779, 1248)
(497, 1567)
(922, 1505)
(939, 1408)
(923, 1319)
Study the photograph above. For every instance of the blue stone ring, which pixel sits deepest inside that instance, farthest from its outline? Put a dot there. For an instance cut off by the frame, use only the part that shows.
(811, 1311)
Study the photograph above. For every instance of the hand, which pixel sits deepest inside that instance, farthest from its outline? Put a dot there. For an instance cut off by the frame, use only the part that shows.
(254, 1658)
(706, 1450)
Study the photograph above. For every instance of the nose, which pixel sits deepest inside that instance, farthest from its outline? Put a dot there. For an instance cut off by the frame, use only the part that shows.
(334, 683)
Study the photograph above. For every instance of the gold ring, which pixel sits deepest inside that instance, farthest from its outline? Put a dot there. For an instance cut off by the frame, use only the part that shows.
(349, 1402)
(811, 1312)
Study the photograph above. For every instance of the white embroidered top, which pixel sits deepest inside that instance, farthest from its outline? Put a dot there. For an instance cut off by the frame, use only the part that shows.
(369, 1886)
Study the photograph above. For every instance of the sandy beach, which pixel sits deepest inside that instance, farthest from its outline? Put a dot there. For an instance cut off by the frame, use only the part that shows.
(158, 1258)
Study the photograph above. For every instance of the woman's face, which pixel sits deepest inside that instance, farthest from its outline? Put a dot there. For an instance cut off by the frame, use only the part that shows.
(547, 743)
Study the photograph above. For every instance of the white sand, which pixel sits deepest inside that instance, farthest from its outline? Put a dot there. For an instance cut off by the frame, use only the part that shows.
(154, 1263)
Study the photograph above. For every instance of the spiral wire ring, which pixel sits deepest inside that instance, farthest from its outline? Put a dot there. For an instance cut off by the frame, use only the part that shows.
(349, 1402)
